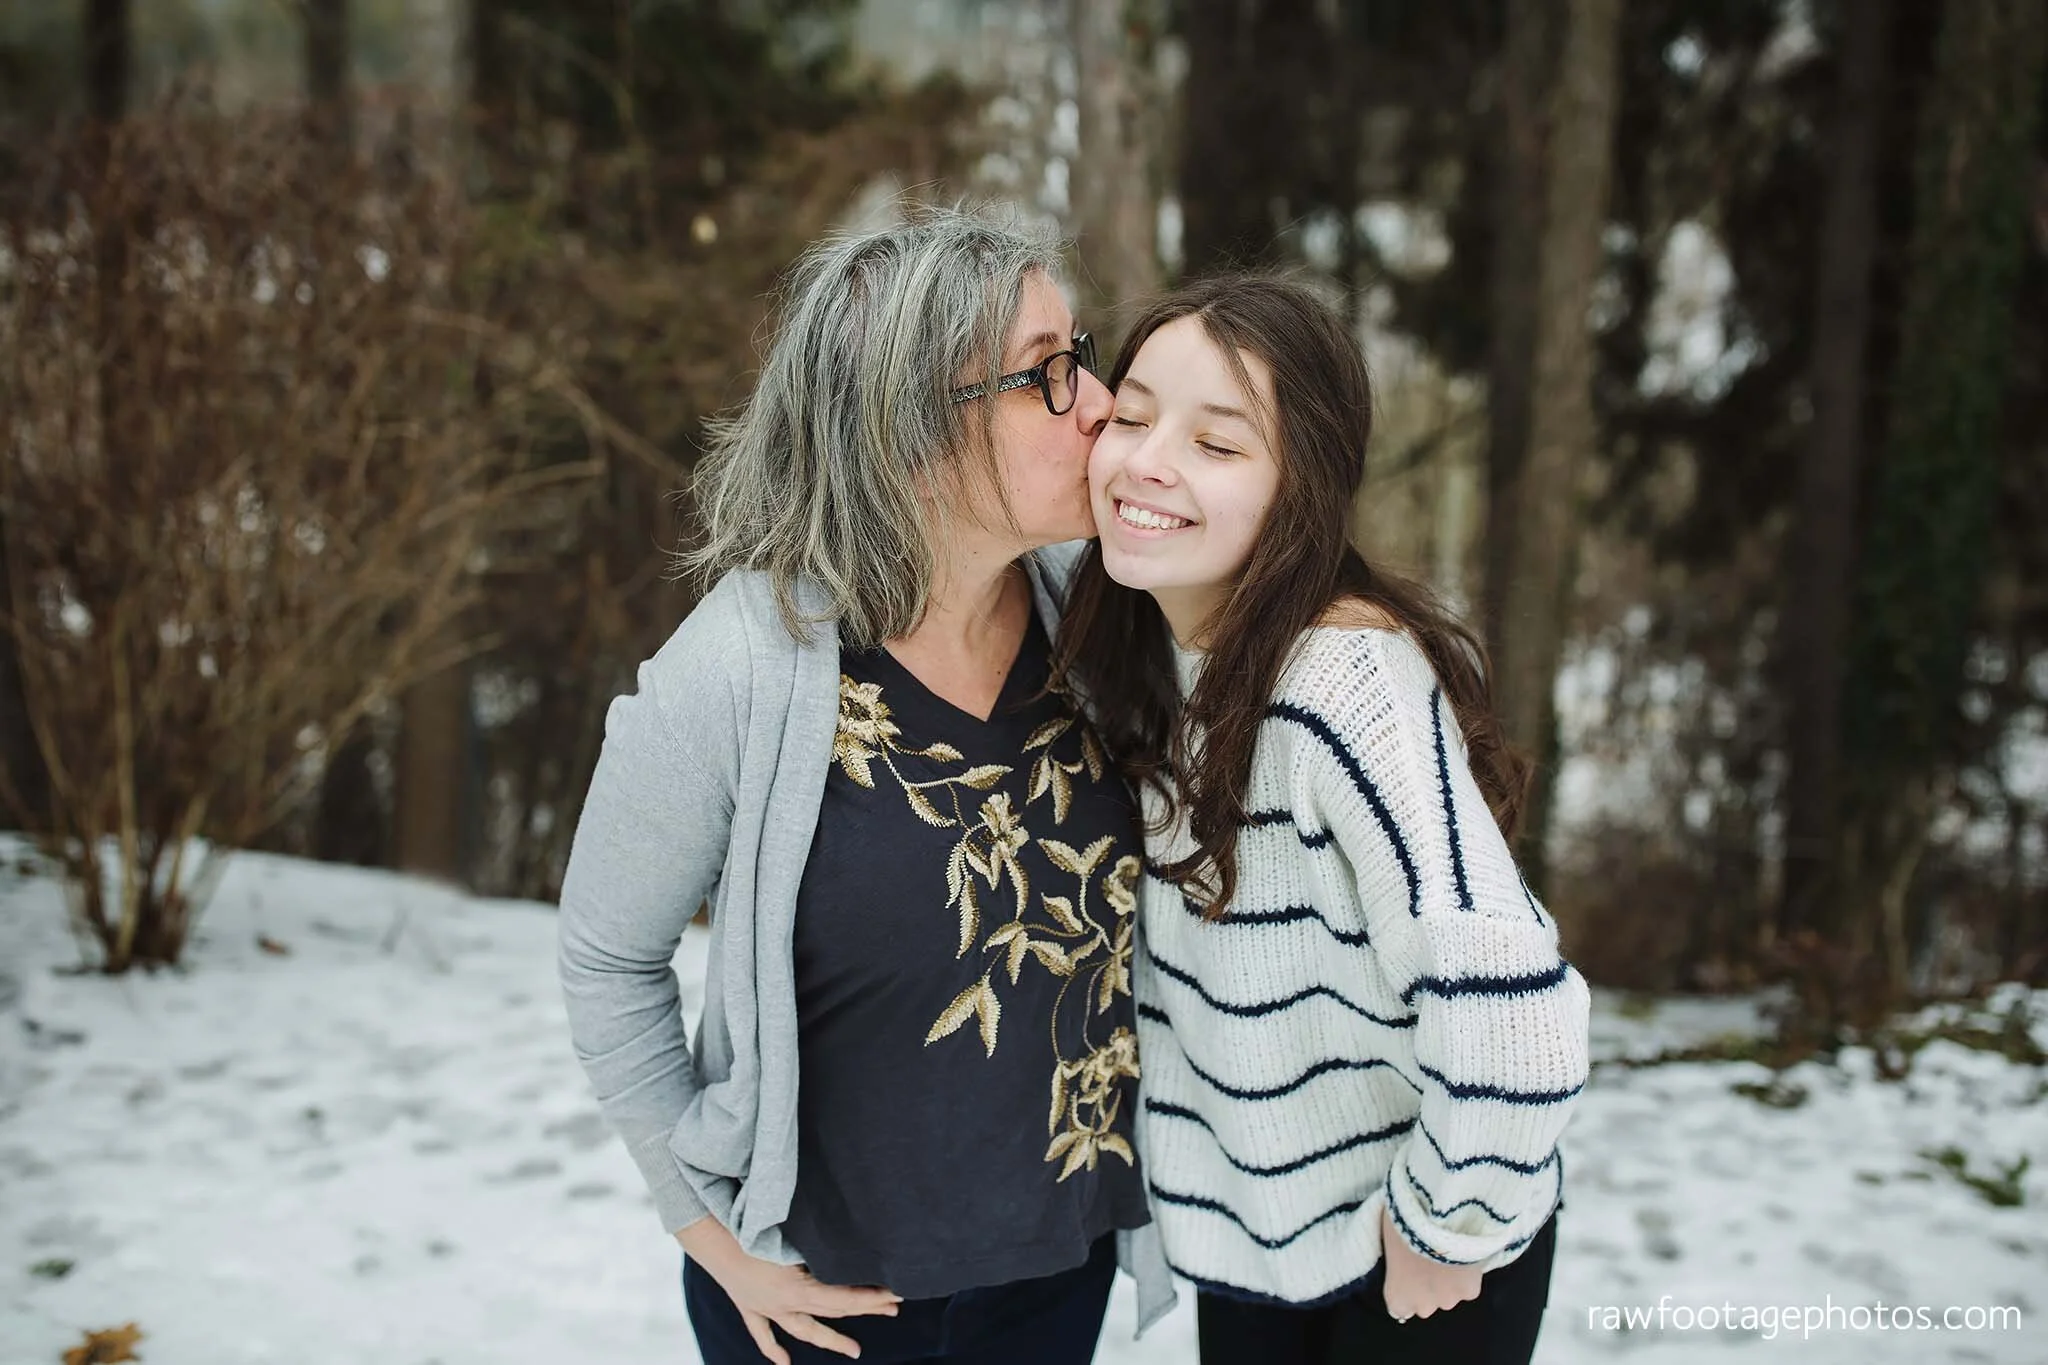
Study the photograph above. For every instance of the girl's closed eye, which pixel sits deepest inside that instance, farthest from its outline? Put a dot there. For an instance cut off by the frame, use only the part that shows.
(1122, 421)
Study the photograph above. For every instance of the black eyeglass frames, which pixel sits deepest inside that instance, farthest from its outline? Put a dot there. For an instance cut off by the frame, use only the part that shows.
(1058, 377)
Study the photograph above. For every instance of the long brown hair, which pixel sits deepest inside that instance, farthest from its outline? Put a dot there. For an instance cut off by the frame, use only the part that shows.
(1114, 641)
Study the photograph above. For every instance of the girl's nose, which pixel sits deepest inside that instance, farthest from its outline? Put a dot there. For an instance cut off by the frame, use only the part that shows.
(1150, 460)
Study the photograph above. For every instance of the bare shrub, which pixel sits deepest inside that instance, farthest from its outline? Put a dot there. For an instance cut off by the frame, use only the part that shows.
(251, 456)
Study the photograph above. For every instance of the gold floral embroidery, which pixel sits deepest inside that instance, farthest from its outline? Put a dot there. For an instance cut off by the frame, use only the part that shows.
(1066, 936)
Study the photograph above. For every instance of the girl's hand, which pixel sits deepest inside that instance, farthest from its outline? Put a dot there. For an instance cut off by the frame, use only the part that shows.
(769, 1295)
(1416, 1285)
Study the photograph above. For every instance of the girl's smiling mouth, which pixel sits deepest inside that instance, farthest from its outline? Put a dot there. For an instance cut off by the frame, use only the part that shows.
(1138, 517)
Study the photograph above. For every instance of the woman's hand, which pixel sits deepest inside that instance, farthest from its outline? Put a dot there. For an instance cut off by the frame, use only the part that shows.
(769, 1295)
(1417, 1285)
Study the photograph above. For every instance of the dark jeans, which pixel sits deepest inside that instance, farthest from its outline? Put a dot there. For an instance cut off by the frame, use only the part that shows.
(1497, 1328)
(1049, 1321)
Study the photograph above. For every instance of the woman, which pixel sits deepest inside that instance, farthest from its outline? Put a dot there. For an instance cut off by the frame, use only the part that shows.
(920, 870)
(1360, 1042)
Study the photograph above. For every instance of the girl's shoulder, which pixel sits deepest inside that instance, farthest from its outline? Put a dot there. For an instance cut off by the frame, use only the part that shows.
(1349, 669)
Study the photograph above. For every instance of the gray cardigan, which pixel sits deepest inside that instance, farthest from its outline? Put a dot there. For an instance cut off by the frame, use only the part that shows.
(708, 788)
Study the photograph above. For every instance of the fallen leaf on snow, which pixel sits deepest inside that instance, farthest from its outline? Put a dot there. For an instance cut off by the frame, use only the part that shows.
(105, 1347)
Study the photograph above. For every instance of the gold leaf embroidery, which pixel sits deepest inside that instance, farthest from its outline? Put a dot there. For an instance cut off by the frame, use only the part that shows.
(1018, 939)
(1062, 794)
(1047, 733)
(1092, 755)
(1118, 884)
(1061, 909)
(1054, 959)
(990, 1011)
(854, 760)
(956, 873)
(926, 811)
(1084, 1095)
(955, 1014)
(970, 918)
(1062, 855)
(1041, 778)
(980, 861)
(1095, 853)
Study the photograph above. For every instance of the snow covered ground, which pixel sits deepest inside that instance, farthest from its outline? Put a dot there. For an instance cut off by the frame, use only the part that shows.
(374, 1146)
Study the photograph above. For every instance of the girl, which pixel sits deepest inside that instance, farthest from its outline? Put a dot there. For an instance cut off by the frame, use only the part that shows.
(1360, 1042)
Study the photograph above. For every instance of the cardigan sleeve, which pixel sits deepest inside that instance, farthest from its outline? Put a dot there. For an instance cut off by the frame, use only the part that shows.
(1501, 1018)
(649, 848)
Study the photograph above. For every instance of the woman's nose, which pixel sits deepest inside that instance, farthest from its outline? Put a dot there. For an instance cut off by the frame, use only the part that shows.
(1093, 403)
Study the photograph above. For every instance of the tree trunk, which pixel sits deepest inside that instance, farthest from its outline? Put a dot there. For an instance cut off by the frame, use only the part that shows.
(1252, 67)
(109, 59)
(1546, 496)
(327, 66)
(1518, 151)
(348, 823)
(433, 777)
(1821, 554)
(1116, 200)
(24, 790)
(1920, 578)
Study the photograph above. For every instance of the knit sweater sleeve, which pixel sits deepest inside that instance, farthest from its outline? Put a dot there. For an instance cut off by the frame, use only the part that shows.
(649, 848)
(1501, 1018)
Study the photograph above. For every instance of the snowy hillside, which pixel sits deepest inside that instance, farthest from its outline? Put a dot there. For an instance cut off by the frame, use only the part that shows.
(352, 1131)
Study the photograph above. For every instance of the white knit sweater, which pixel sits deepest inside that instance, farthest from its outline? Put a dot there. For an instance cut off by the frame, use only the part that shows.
(1381, 1013)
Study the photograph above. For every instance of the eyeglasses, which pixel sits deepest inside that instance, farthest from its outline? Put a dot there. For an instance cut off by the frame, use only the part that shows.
(1058, 377)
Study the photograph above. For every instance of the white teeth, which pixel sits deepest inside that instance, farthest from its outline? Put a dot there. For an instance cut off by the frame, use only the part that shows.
(1149, 520)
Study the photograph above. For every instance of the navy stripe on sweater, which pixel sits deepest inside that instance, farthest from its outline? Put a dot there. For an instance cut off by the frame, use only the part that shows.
(1484, 1158)
(1473, 1090)
(1448, 988)
(1444, 1215)
(1286, 914)
(1420, 1245)
(1272, 1007)
(1320, 728)
(1196, 1201)
(1413, 1239)
(1310, 839)
(1322, 1068)
(1443, 782)
(1174, 1111)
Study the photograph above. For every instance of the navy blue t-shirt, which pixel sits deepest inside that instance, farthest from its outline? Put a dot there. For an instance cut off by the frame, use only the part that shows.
(963, 976)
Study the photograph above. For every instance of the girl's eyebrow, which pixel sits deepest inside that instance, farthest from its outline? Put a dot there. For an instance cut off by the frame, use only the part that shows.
(1213, 409)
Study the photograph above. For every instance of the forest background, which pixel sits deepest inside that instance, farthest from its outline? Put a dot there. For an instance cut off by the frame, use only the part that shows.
(353, 353)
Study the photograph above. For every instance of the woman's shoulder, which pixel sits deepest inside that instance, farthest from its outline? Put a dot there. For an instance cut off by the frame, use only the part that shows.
(734, 628)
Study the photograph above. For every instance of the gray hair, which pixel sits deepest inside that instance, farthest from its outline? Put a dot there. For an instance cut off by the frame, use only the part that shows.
(827, 471)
